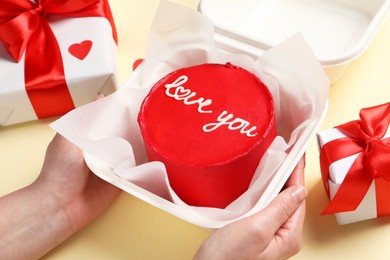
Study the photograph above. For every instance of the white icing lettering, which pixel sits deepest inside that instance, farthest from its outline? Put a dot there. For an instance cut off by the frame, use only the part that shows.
(237, 124)
(180, 93)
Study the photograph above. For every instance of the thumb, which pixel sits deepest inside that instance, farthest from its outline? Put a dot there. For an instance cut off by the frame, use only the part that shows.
(281, 209)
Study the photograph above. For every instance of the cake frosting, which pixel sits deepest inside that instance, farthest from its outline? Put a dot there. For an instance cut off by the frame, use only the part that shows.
(210, 125)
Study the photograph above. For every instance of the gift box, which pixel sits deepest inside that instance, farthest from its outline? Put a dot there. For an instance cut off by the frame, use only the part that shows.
(54, 56)
(355, 163)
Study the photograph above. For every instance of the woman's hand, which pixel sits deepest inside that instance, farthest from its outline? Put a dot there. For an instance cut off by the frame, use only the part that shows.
(66, 178)
(273, 233)
(65, 197)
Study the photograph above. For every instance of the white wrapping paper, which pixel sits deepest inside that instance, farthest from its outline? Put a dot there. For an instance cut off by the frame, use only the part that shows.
(367, 208)
(84, 77)
(108, 132)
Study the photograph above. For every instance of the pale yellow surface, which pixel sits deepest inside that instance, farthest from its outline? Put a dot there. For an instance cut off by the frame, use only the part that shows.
(133, 229)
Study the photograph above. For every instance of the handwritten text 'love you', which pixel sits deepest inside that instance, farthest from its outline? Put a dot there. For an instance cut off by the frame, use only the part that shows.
(178, 92)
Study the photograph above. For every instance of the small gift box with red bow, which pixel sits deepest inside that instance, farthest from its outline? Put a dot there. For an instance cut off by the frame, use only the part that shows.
(355, 166)
(54, 55)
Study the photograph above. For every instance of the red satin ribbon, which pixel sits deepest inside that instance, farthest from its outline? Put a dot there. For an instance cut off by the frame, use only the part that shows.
(365, 136)
(24, 29)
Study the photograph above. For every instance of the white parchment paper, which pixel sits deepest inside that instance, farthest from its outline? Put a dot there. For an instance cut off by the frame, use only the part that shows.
(108, 132)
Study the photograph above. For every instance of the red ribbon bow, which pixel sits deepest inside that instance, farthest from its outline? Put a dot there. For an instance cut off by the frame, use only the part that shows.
(24, 29)
(366, 137)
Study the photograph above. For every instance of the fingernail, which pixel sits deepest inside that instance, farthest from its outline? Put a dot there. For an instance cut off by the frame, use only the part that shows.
(99, 96)
(299, 193)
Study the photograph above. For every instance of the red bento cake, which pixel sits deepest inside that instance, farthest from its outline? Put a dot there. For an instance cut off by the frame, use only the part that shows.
(210, 124)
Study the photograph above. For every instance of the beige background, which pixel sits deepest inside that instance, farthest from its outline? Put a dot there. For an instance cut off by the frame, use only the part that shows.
(132, 229)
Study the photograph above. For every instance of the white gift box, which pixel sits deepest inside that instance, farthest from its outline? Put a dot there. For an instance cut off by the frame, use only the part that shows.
(181, 37)
(85, 76)
(367, 209)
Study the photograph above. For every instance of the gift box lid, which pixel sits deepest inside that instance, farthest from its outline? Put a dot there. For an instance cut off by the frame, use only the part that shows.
(338, 30)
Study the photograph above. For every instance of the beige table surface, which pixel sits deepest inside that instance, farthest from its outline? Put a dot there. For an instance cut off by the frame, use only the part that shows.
(133, 229)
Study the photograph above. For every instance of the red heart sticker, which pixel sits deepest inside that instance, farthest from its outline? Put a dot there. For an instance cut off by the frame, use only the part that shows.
(80, 50)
